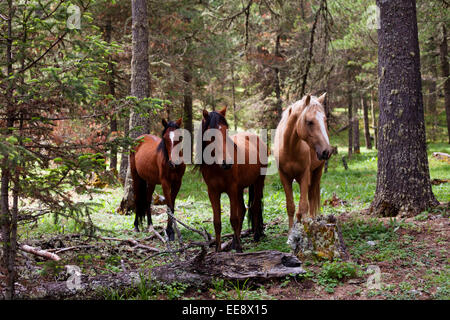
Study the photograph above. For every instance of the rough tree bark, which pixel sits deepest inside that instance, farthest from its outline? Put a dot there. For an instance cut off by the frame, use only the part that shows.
(374, 121)
(279, 103)
(112, 91)
(187, 106)
(8, 213)
(365, 108)
(124, 158)
(350, 114)
(140, 86)
(233, 94)
(403, 179)
(356, 142)
(445, 74)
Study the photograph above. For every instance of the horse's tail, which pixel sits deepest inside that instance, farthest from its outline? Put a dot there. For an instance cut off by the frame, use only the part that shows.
(256, 207)
(139, 190)
(314, 191)
(251, 198)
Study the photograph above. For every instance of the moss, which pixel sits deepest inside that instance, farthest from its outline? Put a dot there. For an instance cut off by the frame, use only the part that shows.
(316, 239)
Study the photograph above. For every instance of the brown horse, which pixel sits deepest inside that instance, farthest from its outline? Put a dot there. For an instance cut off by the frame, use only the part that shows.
(300, 148)
(151, 163)
(229, 170)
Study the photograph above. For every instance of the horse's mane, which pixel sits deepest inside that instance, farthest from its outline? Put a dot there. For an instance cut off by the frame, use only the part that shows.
(162, 146)
(297, 109)
(299, 106)
(214, 120)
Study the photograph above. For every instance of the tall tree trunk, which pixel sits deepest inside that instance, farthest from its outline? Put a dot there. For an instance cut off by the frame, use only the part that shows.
(8, 223)
(112, 92)
(187, 106)
(125, 156)
(140, 86)
(365, 108)
(374, 121)
(356, 143)
(233, 94)
(350, 115)
(279, 103)
(432, 99)
(445, 74)
(403, 179)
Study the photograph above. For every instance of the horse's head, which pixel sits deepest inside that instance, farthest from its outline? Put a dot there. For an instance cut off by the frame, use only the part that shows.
(170, 140)
(312, 126)
(216, 122)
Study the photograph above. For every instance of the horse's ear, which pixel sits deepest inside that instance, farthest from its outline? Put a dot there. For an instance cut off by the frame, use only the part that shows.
(164, 122)
(307, 100)
(321, 99)
(205, 114)
(223, 111)
(179, 122)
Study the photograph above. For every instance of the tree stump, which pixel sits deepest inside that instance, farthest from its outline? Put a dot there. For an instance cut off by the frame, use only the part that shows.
(319, 238)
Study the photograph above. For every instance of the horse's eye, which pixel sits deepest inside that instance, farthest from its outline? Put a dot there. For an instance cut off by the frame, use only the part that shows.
(309, 123)
(180, 138)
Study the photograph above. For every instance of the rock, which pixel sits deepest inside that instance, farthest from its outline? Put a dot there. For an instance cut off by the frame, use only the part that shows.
(320, 238)
(371, 243)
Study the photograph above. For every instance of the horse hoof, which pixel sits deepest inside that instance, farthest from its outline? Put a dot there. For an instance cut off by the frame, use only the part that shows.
(170, 235)
(257, 237)
(136, 229)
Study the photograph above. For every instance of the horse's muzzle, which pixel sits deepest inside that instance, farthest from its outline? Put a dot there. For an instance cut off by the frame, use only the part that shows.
(173, 165)
(225, 166)
(324, 155)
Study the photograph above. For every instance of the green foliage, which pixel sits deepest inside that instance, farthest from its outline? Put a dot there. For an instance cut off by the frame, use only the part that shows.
(336, 271)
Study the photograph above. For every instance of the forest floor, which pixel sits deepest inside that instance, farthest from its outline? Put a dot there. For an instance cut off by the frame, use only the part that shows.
(410, 252)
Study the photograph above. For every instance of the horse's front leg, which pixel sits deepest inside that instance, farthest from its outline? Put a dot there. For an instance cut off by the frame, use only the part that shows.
(167, 190)
(235, 219)
(174, 192)
(150, 190)
(303, 206)
(290, 206)
(214, 197)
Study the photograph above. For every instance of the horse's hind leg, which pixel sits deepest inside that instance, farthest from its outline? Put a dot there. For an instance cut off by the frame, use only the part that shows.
(314, 191)
(140, 199)
(303, 206)
(290, 206)
(235, 219)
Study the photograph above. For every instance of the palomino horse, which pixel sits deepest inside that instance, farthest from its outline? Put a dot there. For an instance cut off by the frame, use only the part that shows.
(151, 163)
(231, 171)
(300, 148)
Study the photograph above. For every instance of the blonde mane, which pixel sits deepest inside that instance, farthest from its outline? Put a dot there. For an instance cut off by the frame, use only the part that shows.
(296, 108)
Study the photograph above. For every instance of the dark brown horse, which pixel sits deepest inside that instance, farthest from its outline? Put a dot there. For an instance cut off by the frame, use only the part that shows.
(229, 170)
(151, 163)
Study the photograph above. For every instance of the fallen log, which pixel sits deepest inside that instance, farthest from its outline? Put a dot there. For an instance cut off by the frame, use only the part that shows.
(442, 156)
(206, 267)
(198, 272)
(133, 242)
(39, 252)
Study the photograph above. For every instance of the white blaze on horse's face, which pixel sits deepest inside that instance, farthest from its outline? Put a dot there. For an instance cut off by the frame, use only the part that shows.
(172, 136)
(321, 120)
